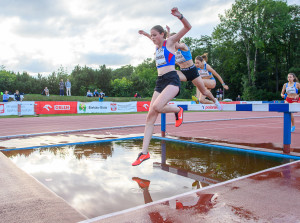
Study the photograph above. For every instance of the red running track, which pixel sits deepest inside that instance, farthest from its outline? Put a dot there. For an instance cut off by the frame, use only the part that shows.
(255, 129)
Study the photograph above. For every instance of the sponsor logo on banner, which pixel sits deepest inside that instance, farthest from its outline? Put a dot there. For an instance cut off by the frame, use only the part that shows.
(146, 107)
(82, 107)
(48, 107)
(2, 108)
(62, 107)
(143, 106)
(210, 107)
(113, 106)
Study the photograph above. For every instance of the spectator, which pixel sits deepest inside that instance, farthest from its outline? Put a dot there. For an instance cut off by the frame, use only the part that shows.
(89, 93)
(46, 90)
(5, 96)
(68, 87)
(18, 96)
(101, 96)
(238, 98)
(96, 93)
(61, 87)
(218, 94)
(137, 95)
(221, 94)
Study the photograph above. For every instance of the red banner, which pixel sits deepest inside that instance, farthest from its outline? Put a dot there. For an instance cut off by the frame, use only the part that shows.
(56, 107)
(143, 106)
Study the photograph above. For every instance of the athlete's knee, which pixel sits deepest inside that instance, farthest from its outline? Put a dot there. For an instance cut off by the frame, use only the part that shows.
(156, 108)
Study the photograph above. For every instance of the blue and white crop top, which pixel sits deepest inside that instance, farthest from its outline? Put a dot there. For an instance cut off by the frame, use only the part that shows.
(164, 57)
(183, 56)
(291, 90)
(204, 72)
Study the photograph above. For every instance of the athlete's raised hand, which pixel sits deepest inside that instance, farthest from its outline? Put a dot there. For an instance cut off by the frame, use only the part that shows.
(175, 12)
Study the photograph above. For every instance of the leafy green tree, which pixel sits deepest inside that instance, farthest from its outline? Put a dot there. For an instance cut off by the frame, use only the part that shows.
(124, 71)
(144, 77)
(121, 87)
(7, 80)
(103, 77)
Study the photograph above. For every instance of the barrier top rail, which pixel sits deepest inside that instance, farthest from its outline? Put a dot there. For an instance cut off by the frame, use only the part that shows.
(287, 109)
(250, 107)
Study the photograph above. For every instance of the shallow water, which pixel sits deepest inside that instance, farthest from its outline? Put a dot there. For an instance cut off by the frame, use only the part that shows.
(98, 179)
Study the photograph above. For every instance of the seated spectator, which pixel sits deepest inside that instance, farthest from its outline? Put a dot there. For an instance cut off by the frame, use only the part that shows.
(89, 93)
(238, 98)
(5, 96)
(46, 90)
(18, 96)
(101, 96)
(96, 93)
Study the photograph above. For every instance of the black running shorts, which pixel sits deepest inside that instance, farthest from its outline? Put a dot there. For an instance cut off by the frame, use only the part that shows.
(170, 78)
(190, 73)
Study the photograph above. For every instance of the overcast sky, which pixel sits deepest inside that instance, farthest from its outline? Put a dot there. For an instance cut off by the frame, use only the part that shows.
(39, 36)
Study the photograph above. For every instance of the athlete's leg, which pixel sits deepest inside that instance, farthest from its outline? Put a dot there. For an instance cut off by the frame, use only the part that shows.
(209, 84)
(203, 100)
(198, 82)
(159, 104)
(182, 77)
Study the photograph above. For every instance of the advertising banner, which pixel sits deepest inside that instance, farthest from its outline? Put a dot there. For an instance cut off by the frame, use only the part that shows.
(17, 108)
(56, 107)
(106, 107)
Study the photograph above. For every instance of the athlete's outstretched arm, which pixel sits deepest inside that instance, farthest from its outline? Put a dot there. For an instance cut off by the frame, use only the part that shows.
(209, 68)
(142, 32)
(186, 26)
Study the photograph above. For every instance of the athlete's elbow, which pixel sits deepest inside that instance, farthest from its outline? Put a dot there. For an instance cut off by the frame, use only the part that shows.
(189, 27)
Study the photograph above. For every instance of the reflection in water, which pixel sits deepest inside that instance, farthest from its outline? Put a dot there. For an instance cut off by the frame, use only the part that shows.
(98, 179)
(197, 203)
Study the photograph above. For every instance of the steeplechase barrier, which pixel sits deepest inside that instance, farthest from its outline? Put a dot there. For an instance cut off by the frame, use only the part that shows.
(287, 110)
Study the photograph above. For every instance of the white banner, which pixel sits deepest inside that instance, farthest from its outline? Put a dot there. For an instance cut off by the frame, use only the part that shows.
(106, 107)
(11, 108)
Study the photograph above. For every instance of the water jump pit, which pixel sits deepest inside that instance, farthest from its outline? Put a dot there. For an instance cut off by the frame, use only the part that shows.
(97, 179)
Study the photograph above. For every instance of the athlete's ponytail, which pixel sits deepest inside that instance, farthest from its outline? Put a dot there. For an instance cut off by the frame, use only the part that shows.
(205, 57)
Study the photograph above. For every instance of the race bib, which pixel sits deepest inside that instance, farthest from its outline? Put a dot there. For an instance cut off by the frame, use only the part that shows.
(203, 73)
(160, 57)
(179, 57)
(291, 90)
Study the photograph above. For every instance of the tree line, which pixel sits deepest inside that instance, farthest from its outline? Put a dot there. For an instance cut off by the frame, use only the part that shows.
(253, 48)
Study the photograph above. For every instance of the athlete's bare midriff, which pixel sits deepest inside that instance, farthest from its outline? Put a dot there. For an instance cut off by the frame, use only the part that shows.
(292, 95)
(163, 70)
(186, 64)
